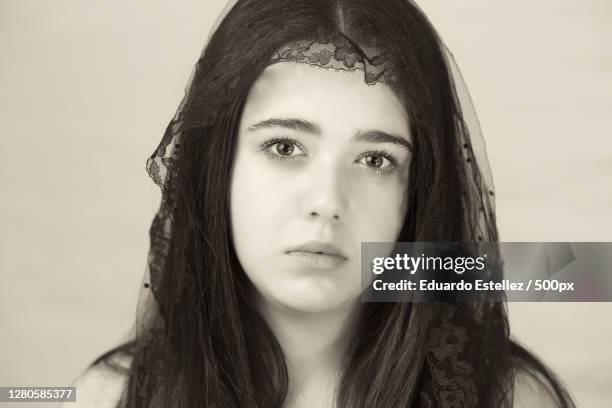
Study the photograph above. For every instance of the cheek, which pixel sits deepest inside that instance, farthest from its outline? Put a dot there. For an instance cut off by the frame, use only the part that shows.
(381, 210)
(256, 208)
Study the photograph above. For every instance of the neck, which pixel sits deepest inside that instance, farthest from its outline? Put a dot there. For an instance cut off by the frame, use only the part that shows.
(314, 344)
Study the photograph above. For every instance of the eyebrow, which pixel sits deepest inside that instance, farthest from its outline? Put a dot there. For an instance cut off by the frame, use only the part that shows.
(373, 136)
(295, 124)
(377, 136)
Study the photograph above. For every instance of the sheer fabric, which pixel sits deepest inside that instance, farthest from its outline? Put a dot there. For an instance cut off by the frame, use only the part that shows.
(453, 346)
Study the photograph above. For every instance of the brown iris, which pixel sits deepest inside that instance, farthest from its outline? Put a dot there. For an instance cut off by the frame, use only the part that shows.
(284, 148)
(374, 161)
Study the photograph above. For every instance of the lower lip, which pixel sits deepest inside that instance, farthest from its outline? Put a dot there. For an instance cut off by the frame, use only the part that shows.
(321, 261)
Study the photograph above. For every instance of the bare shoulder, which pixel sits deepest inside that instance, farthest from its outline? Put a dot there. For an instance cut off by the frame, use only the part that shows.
(531, 391)
(101, 386)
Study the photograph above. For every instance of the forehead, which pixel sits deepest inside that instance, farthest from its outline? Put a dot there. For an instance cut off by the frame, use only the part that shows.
(333, 99)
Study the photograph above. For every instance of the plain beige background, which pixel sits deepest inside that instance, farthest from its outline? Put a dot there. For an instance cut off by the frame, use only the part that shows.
(87, 88)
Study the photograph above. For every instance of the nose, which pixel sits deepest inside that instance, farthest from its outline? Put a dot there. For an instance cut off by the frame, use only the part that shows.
(325, 197)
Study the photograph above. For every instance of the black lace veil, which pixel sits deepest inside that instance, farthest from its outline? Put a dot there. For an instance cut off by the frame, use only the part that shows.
(453, 345)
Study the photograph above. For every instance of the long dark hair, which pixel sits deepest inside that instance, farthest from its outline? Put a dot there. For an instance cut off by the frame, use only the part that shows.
(210, 347)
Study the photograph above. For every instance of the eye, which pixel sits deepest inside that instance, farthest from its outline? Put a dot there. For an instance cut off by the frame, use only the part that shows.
(374, 160)
(283, 148)
(379, 162)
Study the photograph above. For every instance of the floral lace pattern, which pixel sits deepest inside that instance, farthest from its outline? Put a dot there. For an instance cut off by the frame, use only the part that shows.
(340, 54)
(450, 373)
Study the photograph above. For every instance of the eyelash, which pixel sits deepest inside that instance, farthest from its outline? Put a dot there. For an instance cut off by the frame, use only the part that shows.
(265, 148)
(393, 163)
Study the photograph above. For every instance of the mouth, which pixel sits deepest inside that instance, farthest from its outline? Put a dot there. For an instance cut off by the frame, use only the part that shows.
(318, 254)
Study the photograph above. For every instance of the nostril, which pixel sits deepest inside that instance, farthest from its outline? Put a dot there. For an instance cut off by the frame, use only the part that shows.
(314, 214)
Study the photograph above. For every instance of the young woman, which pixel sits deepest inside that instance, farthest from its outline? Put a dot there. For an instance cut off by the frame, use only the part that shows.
(309, 127)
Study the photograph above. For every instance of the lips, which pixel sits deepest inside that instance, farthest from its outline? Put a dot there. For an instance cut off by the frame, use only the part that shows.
(318, 255)
(319, 248)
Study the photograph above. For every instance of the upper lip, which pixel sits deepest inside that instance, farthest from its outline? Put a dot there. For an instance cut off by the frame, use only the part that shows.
(318, 247)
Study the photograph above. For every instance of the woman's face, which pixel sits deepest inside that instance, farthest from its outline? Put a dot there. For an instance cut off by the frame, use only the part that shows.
(321, 165)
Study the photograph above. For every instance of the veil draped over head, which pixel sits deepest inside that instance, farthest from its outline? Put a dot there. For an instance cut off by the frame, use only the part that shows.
(465, 348)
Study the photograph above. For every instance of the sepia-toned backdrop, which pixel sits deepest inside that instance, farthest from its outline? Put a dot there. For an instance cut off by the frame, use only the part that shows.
(87, 88)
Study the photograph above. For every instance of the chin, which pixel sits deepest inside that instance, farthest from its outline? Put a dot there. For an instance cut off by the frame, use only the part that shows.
(313, 300)
(308, 306)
